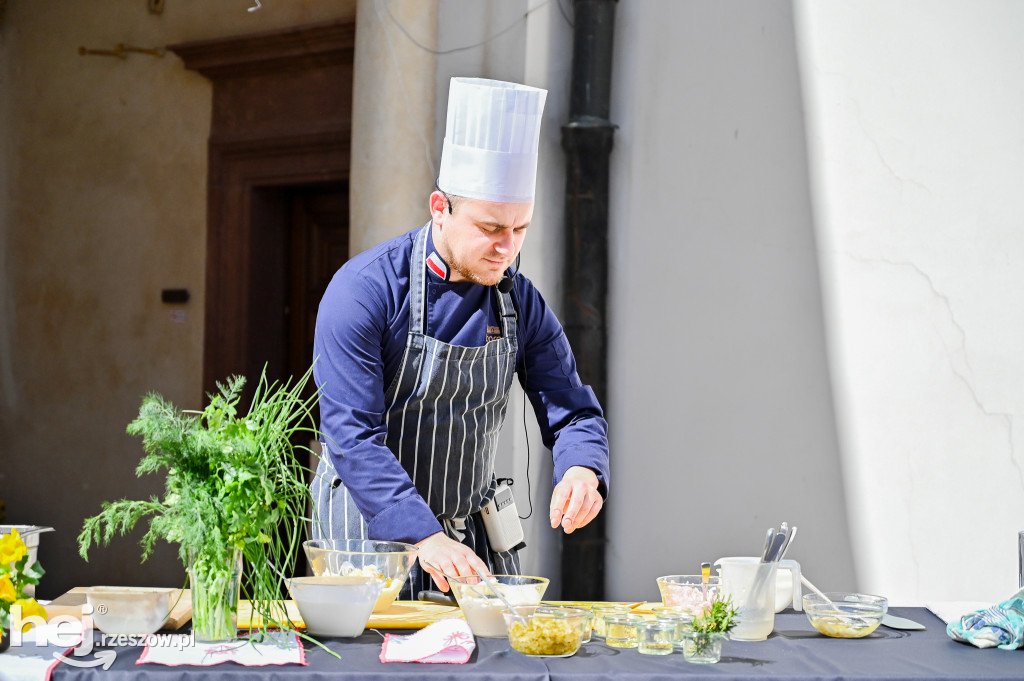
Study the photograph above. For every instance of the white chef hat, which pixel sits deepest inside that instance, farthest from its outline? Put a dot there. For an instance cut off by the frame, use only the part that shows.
(491, 140)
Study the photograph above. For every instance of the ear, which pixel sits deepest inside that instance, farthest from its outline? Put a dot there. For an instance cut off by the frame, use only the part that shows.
(438, 206)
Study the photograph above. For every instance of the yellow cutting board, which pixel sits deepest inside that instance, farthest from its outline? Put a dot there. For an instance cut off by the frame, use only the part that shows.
(400, 615)
(590, 604)
(71, 602)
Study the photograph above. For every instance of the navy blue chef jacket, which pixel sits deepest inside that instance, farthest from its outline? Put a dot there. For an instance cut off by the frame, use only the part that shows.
(360, 339)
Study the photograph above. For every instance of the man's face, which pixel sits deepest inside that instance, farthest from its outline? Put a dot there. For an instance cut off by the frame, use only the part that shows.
(480, 239)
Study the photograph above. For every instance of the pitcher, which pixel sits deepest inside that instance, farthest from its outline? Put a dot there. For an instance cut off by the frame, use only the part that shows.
(751, 585)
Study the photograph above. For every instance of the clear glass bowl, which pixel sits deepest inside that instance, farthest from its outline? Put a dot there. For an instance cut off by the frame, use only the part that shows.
(482, 606)
(388, 561)
(689, 592)
(549, 630)
(841, 614)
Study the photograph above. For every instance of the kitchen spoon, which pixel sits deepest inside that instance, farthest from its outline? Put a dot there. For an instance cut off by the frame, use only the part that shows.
(767, 544)
(789, 539)
(852, 620)
(494, 587)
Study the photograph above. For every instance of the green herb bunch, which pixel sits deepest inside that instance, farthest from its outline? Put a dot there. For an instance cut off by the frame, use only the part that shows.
(718, 618)
(232, 482)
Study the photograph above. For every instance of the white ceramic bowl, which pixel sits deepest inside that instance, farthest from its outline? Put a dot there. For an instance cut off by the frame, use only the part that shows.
(389, 561)
(335, 605)
(130, 610)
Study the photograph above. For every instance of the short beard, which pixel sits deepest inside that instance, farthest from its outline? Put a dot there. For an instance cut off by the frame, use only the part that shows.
(472, 276)
(455, 264)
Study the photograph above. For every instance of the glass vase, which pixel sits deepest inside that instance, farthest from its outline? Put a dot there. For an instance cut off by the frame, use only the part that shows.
(216, 580)
(701, 647)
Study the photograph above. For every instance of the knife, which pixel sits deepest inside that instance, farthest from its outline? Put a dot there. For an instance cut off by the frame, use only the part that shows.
(436, 597)
(894, 622)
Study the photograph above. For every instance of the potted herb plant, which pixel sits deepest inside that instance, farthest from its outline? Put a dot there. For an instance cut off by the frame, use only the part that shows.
(234, 493)
(702, 641)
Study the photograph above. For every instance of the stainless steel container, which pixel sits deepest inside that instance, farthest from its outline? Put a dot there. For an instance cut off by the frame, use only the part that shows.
(30, 535)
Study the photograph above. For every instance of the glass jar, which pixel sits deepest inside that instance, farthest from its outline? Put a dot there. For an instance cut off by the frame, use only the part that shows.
(588, 627)
(655, 637)
(702, 648)
(680, 621)
(620, 629)
(602, 609)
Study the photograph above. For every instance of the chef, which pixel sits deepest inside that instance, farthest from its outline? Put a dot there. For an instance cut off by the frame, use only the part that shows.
(417, 343)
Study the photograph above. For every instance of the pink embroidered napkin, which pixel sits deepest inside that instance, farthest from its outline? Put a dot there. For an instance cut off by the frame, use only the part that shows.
(445, 641)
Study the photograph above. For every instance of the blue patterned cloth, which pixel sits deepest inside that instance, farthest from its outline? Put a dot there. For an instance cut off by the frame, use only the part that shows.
(997, 625)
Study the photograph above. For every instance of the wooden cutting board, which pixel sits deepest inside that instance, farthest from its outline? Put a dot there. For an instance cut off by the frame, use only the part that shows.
(71, 602)
(400, 615)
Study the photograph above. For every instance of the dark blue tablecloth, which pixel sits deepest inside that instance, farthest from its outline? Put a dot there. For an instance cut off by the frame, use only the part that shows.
(794, 651)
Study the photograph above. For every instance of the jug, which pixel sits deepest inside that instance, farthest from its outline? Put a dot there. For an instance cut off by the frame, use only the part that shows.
(751, 585)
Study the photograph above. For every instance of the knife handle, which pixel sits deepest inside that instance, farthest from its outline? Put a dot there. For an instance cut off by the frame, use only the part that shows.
(436, 597)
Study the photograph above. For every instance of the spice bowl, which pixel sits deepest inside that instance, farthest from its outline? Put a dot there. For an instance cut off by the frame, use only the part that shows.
(546, 630)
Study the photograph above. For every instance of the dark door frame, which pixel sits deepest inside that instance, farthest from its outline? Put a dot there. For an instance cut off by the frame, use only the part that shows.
(281, 115)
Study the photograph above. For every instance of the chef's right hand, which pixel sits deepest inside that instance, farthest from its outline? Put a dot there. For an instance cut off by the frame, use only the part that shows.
(440, 555)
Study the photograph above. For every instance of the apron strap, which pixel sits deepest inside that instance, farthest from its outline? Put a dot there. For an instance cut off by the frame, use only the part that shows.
(418, 283)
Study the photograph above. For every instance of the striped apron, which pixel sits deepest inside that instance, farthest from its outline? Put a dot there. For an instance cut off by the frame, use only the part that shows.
(445, 410)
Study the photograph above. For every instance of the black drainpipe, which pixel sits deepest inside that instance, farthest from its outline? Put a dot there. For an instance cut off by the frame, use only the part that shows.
(587, 140)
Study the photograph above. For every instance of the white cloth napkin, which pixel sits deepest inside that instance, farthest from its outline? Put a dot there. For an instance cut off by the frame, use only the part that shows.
(444, 641)
(168, 650)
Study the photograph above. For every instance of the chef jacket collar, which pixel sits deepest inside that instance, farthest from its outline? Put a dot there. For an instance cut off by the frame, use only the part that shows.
(435, 263)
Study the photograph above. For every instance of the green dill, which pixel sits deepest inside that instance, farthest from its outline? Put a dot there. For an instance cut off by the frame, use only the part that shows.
(232, 482)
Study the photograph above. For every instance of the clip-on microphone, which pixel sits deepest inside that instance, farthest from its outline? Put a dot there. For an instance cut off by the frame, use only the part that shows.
(506, 283)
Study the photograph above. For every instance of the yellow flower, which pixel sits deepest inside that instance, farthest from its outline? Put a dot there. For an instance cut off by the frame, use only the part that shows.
(7, 592)
(12, 548)
(29, 607)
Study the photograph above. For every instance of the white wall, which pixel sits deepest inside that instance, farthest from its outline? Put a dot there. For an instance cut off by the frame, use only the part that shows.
(721, 409)
(917, 144)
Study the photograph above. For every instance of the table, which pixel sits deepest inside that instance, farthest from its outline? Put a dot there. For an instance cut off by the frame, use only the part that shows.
(794, 651)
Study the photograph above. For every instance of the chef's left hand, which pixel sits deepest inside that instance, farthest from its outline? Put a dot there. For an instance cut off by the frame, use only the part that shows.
(575, 500)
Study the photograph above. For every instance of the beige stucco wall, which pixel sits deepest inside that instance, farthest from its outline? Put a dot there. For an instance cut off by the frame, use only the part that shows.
(103, 188)
(392, 119)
